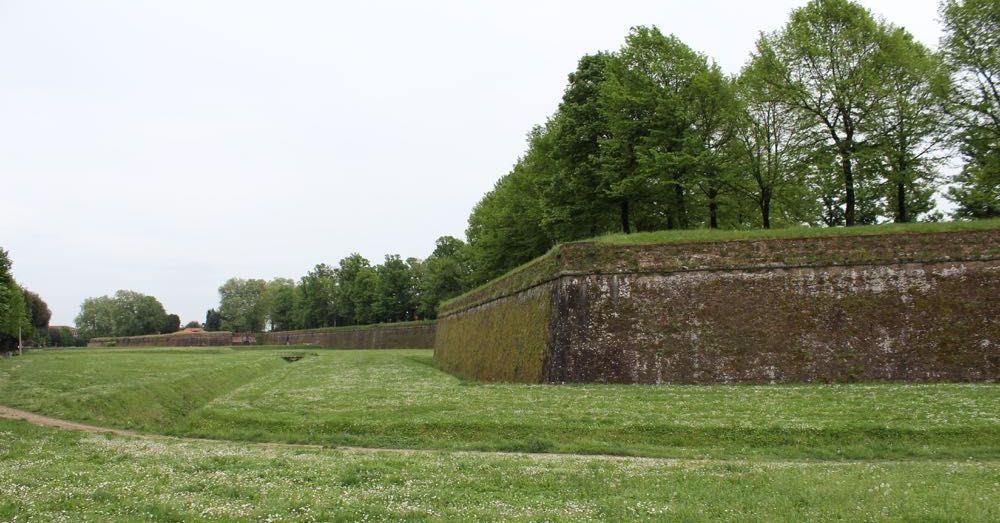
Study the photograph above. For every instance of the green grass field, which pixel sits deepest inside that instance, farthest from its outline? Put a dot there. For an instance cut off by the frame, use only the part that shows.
(886, 451)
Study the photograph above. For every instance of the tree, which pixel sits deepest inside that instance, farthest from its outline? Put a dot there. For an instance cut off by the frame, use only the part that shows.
(173, 324)
(279, 298)
(14, 314)
(136, 314)
(38, 313)
(193, 324)
(127, 313)
(96, 318)
(712, 107)
(971, 48)
(644, 101)
(771, 148)
(575, 205)
(447, 272)
(505, 226)
(356, 282)
(829, 62)
(241, 305)
(394, 292)
(909, 129)
(213, 320)
(317, 302)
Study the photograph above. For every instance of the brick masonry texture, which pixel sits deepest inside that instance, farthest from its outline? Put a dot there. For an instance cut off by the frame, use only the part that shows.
(907, 307)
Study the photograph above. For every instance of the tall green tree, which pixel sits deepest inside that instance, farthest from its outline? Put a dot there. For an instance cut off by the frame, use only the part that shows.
(576, 205)
(279, 298)
(829, 62)
(712, 113)
(395, 298)
(14, 314)
(771, 149)
(241, 305)
(505, 227)
(971, 48)
(356, 282)
(646, 105)
(910, 128)
(317, 298)
(213, 320)
(127, 313)
(447, 272)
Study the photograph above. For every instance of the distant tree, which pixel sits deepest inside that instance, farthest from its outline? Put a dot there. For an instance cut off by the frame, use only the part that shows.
(213, 320)
(173, 324)
(394, 293)
(355, 287)
(971, 47)
(96, 318)
(317, 298)
(241, 305)
(136, 314)
(279, 297)
(14, 315)
(193, 324)
(39, 313)
(446, 273)
(127, 313)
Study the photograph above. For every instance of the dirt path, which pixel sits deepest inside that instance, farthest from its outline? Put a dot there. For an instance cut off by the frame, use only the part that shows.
(38, 419)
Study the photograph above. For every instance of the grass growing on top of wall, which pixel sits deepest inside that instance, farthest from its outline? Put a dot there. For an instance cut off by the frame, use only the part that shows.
(372, 326)
(709, 235)
(398, 398)
(549, 265)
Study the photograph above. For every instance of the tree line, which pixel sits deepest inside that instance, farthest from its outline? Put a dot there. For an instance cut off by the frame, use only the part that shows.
(354, 292)
(22, 312)
(838, 118)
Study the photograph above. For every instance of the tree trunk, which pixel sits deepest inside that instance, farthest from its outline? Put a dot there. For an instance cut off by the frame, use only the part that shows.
(626, 228)
(679, 207)
(848, 188)
(901, 203)
(765, 208)
(713, 211)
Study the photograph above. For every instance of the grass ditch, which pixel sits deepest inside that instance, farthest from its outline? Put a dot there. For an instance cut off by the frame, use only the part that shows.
(399, 399)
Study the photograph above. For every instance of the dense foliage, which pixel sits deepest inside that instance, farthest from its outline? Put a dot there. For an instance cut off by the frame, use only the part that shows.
(127, 313)
(353, 293)
(22, 312)
(838, 118)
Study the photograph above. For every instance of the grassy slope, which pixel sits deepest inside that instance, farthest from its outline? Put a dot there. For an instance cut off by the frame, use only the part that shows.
(708, 235)
(51, 475)
(398, 399)
(545, 265)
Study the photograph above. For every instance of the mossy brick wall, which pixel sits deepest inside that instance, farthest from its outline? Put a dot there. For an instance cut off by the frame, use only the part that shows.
(208, 339)
(503, 340)
(912, 306)
(415, 335)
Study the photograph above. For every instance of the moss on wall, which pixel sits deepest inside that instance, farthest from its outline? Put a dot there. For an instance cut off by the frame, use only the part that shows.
(503, 340)
(410, 335)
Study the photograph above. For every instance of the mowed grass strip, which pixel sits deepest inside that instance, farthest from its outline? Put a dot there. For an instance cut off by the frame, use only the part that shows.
(53, 475)
(398, 399)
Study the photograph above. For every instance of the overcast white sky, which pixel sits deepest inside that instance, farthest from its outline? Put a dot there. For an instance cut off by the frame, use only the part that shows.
(166, 146)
